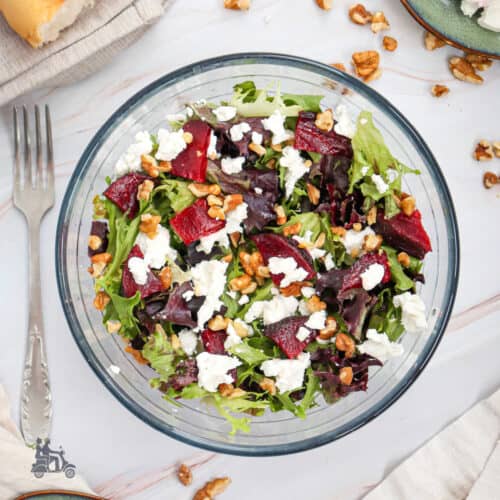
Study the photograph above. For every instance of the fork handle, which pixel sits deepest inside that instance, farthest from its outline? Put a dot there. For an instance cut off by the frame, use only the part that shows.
(36, 399)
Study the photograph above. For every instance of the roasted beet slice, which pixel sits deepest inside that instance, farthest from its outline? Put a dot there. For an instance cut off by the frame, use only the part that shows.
(100, 229)
(213, 342)
(283, 334)
(308, 137)
(193, 222)
(177, 310)
(192, 162)
(404, 233)
(123, 193)
(342, 280)
(274, 245)
(130, 287)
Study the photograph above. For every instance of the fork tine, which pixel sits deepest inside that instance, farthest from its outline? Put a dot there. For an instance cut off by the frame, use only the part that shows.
(28, 173)
(50, 149)
(39, 160)
(17, 152)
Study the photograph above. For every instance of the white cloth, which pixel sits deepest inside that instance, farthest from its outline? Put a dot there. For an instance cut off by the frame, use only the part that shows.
(16, 459)
(462, 461)
(90, 43)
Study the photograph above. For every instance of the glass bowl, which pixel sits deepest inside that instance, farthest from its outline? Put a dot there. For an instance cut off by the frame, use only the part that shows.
(194, 422)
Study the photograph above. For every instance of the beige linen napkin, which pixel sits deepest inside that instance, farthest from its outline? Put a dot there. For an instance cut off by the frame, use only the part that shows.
(461, 462)
(83, 48)
(16, 460)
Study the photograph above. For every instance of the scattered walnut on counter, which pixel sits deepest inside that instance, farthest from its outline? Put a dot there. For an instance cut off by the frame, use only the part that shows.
(339, 66)
(390, 44)
(366, 64)
(379, 22)
(464, 71)
(483, 151)
(432, 42)
(359, 15)
(185, 475)
(237, 4)
(479, 62)
(325, 4)
(212, 488)
(439, 90)
(496, 148)
(490, 179)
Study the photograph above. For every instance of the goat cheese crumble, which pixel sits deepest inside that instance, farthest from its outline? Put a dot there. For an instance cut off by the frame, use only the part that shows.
(139, 269)
(156, 250)
(170, 144)
(344, 126)
(379, 346)
(289, 373)
(188, 340)
(372, 276)
(289, 268)
(380, 184)
(131, 160)
(295, 168)
(353, 240)
(302, 334)
(413, 311)
(271, 311)
(239, 130)
(232, 165)
(225, 113)
(213, 370)
(276, 125)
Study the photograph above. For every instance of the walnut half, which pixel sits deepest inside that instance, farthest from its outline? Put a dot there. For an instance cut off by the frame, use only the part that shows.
(464, 71)
(366, 64)
(237, 4)
(483, 151)
(212, 489)
(439, 90)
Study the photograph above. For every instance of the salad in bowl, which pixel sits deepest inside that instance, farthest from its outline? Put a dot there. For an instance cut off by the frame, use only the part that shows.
(259, 253)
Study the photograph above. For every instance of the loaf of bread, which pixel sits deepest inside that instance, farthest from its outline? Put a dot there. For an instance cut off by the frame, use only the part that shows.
(41, 21)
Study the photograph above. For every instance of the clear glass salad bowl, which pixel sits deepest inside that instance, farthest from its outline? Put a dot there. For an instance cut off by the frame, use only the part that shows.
(195, 422)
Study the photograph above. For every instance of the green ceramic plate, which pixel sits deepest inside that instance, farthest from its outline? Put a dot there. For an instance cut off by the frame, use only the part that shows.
(57, 495)
(445, 19)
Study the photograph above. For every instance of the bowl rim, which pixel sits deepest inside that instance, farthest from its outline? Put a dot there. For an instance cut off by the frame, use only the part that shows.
(199, 68)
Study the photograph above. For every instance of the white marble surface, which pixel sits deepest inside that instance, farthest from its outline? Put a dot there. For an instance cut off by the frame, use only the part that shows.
(101, 436)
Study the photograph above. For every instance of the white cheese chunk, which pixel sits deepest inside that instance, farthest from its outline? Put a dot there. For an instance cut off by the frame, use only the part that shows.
(225, 113)
(276, 125)
(139, 269)
(212, 147)
(295, 168)
(413, 312)
(353, 240)
(344, 126)
(379, 346)
(271, 311)
(156, 250)
(372, 276)
(317, 320)
(329, 262)
(257, 138)
(289, 268)
(188, 340)
(244, 299)
(380, 184)
(237, 131)
(232, 338)
(302, 334)
(289, 373)
(131, 160)
(170, 144)
(213, 370)
(308, 291)
(232, 165)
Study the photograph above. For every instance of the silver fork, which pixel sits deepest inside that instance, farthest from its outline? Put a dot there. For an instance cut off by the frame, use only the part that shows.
(33, 195)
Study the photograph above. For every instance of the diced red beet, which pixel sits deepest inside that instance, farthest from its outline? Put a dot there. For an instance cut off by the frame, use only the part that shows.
(213, 342)
(274, 245)
(194, 222)
(192, 162)
(308, 137)
(284, 334)
(342, 280)
(404, 233)
(123, 193)
(130, 287)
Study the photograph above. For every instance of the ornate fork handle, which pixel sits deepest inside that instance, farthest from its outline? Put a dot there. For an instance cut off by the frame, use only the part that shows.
(36, 399)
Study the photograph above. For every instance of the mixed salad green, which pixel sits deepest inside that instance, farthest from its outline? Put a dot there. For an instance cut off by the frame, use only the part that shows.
(259, 253)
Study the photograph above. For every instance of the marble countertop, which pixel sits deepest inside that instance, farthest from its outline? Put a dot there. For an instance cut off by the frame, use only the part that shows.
(110, 446)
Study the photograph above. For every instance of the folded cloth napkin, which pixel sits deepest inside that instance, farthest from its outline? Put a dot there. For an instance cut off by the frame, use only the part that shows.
(461, 462)
(90, 43)
(16, 459)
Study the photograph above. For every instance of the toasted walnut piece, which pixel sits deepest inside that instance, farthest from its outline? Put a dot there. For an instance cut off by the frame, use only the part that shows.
(164, 166)
(389, 43)
(94, 242)
(355, 253)
(330, 328)
(483, 151)
(185, 475)
(294, 289)
(225, 389)
(218, 323)
(213, 200)
(235, 238)
(313, 193)
(271, 163)
(280, 214)
(240, 283)
(212, 489)
(432, 42)
(216, 213)
(149, 225)
(256, 260)
(267, 384)
(325, 4)
(346, 375)
(479, 62)
(245, 259)
(96, 269)
(240, 328)
(324, 120)
(496, 148)
(439, 90)
(314, 304)
(357, 226)
(408, 205)
(231, 201)
(292, 229)
(346, 344)
(113, 325)
(188, 137)
(490, 179)
(366, 64)
(339, 66)
(202, 190)
(372, 242)
(371, 216)
(165, 276)
(277, 147)
(237, 4)
(339, 231)
(144, 190)
(373, 76)
(379, 22)
(404, 259)
(257, 149)
(263, 272)
(137, 355)
(463, 70)
(150, 165)
(249, 289)
(101, 258)
(359, 15)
